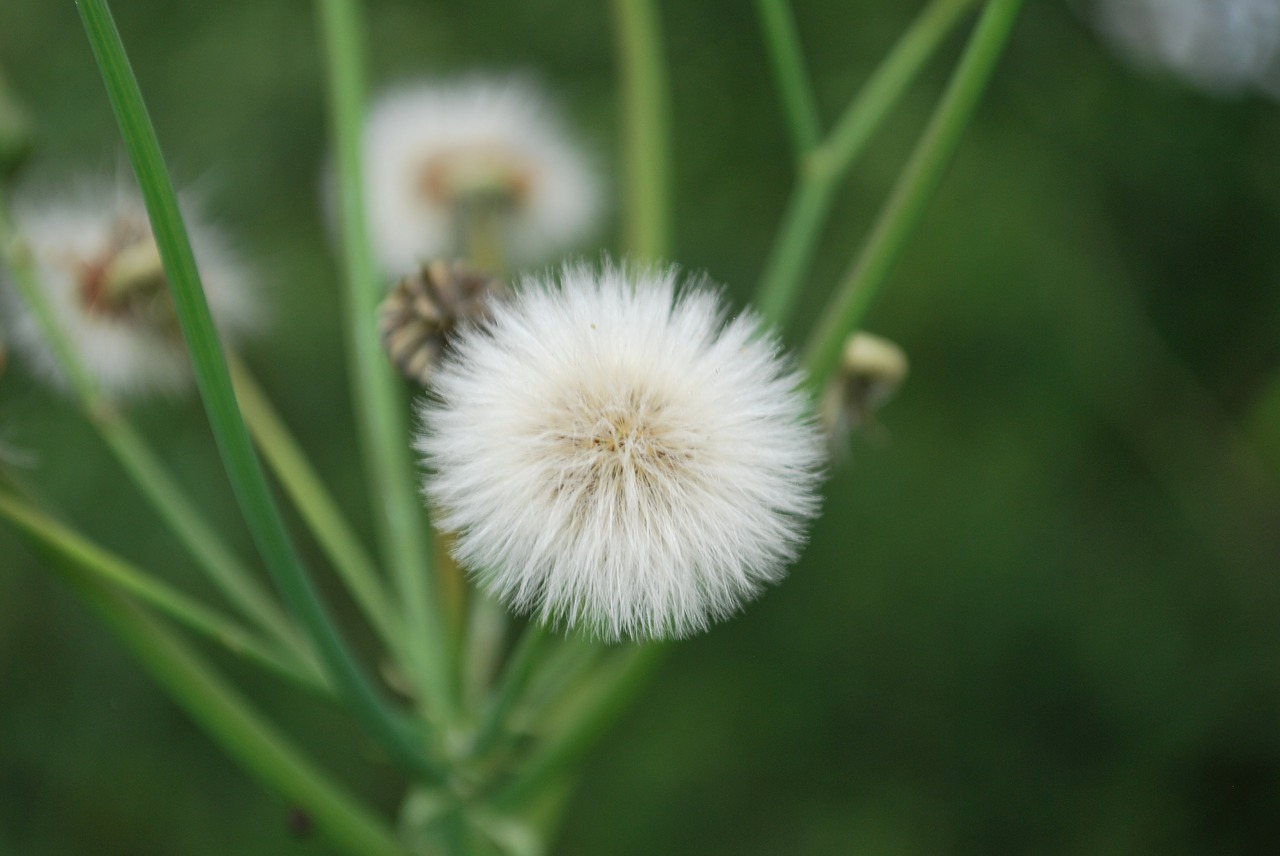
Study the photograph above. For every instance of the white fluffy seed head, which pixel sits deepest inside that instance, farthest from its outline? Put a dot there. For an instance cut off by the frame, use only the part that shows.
(613, 454)
(80, 234)
(430, 148)
(1220, 46)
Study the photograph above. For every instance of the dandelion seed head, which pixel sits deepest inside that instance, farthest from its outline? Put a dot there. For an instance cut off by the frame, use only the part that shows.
(96, 259)
(1220, 46)
(431, 150)
(614, 453)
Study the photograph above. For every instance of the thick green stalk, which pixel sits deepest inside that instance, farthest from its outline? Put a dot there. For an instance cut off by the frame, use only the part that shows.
(787, 57)
(91, 558)
(214, 381)
(316, 505)
(906, 204)
(406, 541)
(645, 138)
(605, 698)
(238, 728)
(825, 167)
(155, 483)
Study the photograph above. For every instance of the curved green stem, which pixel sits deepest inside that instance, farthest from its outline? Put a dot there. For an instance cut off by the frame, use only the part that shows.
(242, 466)
(787, 58)
(238, 728)
(91, 558)
(316, 506)
(920, 178)
(406, 541)
(645, 139)
(827, 164)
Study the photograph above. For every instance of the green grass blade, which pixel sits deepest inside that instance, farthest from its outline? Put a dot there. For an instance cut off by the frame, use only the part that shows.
(214, 380)
(238, 728)
(786, 56)
(77, 550)
(379, 398)
(316, 506)
(646, 141)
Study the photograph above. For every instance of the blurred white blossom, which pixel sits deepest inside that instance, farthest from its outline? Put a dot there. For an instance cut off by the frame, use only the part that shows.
(613, 454)
(436, 155)
(100, 271)
(1221, 46)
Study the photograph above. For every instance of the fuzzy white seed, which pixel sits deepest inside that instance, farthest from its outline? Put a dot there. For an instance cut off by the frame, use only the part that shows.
(614, 454)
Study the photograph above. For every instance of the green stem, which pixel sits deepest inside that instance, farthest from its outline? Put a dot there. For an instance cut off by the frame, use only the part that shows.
(316, 505)
(645, 138)
(160, 489)
(486, 631)
(238, 728)
(585, 723)
(406, 541)
(242, 466)
(905, 207)
(173, 506)
(84, 554)
(827, 164)
(514, 680)
(787, 57)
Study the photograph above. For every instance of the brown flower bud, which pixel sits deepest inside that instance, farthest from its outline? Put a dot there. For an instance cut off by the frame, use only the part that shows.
(422, 312)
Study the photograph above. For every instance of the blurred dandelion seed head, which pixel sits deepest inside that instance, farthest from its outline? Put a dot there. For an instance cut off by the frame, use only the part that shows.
(437, 154)
(100, 271)
(614, 454)
(1220, 46)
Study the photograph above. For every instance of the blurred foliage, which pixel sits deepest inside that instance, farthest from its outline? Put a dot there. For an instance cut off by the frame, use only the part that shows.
(1044, 618)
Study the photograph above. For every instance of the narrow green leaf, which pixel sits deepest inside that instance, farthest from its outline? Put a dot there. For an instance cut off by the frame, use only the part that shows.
(406, 540)
(786, 56)
(242, 467)
(84, 554)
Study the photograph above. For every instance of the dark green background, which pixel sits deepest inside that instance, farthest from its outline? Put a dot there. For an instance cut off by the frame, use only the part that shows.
(1042, 619)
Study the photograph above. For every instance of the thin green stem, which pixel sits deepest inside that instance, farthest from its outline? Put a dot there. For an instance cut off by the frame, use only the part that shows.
(486, 631)
(645, 138)
(93, 559)
(787, 57)
(238, 728)
(177, 511)
(406, 541)
(316, 505)
(515, 678)
(604, 700)
(906, 204)
(242, 466)
(155, 483)
(827, 165)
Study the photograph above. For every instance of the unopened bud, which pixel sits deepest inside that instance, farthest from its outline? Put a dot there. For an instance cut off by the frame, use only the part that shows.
(420, 314)
(871, 370)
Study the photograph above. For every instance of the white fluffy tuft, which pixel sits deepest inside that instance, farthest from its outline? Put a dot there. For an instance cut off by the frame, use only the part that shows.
(68, 231)
(410, 128)
(617, 456)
